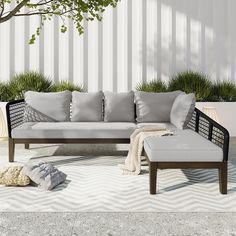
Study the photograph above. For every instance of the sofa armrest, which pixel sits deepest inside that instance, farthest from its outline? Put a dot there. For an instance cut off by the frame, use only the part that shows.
(15, 114)
(210, 129)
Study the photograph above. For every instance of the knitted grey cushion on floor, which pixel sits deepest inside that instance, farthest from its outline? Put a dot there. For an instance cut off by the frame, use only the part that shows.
(44, 174)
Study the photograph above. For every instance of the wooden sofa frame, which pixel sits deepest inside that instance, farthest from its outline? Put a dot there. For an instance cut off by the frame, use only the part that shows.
(200, 123)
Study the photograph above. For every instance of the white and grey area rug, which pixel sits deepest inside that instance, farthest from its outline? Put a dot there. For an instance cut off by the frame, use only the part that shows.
(95, 184)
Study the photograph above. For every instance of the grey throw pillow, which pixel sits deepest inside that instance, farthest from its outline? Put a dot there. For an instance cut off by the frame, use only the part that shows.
(44, 174)
(182, 110)
(47, 106)
(154, 107)
(87, 106)
(119, 107)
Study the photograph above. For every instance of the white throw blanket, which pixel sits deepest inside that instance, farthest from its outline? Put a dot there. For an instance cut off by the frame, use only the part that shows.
(132, 164)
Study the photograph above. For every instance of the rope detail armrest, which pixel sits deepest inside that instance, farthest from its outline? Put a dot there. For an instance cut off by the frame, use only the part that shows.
(211, 130)
(15, 114)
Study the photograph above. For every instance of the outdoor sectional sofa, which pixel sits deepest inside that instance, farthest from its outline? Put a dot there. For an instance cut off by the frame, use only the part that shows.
(111, 118)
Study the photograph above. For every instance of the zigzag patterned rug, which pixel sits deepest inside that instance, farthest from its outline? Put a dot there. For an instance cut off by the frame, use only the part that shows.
(100, 187)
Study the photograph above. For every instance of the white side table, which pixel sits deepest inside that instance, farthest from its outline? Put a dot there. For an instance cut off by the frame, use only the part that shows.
(212, 113)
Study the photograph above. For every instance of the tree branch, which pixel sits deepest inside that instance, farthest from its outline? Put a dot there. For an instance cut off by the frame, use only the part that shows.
(42, 13)
(1, 8)
(75, 10)
(33, 13)
(13, 12)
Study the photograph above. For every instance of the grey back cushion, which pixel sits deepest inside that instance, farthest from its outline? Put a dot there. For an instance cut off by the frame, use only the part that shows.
(182, 110)
(44, 174)
(32, 115)
(48, 107)
(154, 107)
(119, 107)
(87, 106)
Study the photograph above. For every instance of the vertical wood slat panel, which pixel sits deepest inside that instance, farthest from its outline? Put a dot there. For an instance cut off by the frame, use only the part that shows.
(144, 40)
(114, 53)
(150, 49)
(48, 57)
(12, 44)
(232, 38)
(100, 55)
(71, 52)
(85, 56)
(166, 39)
(181, 40)
(108, 50)
(195, 32)
(26, 40)
(19, 44)
(56, 49)
(63, 54)
(138, 41)
(78, 60)
(220, 39)
(93, 56)
(34, 55)
(122, 47)
(5, 50)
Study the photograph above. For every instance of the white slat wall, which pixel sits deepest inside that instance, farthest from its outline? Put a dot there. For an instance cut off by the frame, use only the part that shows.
(138, 41)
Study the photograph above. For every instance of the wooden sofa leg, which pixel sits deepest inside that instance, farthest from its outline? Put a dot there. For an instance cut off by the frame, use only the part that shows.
(223, 176)
(11, 149)
(26, 145)
(152, 177)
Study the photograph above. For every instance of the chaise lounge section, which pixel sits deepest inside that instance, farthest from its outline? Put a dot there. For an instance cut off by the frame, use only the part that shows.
(203, 146)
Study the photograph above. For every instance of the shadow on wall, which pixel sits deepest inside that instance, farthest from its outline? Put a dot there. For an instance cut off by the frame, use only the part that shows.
(138, 40)
(190, 35)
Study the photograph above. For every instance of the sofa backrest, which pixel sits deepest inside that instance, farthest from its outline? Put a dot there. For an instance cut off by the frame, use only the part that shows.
(47, 106)
(109, 107)
(154, 107)
(87, 107)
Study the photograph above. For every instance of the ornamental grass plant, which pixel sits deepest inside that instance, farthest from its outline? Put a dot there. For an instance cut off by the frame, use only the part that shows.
(29, 81)
(66, 85)
(155, 86)
(192, 82)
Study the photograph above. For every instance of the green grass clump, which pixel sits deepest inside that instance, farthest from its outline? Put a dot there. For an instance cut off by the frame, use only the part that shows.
(187, 81)
(5, 93)
(224, 91)
(65, 85)
(192, 82)
(33, 81)
(29, 81)
(155, 86)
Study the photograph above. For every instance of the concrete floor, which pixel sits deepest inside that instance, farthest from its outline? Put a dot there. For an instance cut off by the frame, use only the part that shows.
(40, 224)
(130, 224)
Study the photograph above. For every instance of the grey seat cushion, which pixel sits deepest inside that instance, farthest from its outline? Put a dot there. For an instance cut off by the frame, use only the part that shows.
(154, 107)
(44, 174)
(87, 106)
(182, 110)
(168, 125)
(49, 107)
(183, 146)
(119, 107)
(89, 130)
